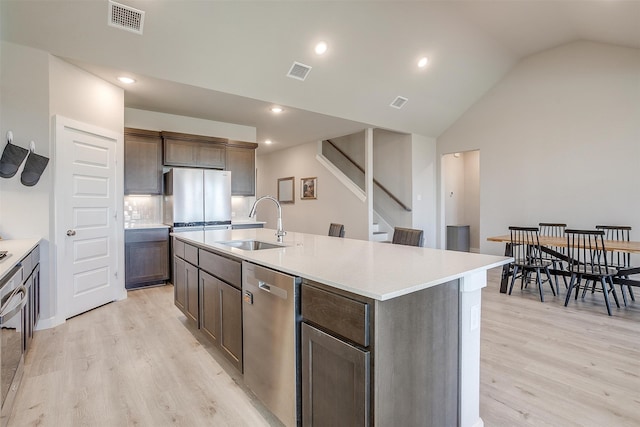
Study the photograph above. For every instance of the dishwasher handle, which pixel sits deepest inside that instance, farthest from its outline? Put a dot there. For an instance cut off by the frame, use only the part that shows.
(7, 311)
(274, 290)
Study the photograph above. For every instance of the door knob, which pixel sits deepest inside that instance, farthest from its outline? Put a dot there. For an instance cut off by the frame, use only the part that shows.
(71, 232)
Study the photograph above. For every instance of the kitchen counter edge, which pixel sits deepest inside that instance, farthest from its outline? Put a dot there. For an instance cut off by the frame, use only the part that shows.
(325, 261)
(16, 250)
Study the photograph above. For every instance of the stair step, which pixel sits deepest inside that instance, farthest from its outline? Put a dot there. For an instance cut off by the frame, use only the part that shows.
(380, 236)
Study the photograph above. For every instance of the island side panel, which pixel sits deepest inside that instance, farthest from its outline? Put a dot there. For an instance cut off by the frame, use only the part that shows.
(416, 367)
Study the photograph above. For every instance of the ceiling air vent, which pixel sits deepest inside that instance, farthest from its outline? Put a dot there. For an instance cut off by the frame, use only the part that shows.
(125, 17)
(299, 71)
(399, 102)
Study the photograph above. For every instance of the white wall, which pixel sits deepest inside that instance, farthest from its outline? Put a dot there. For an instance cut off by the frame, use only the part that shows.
(34, 87)
(152, 120)
(560, 141)
(423, 172)
(472, 197)
(392, 152)
(26, 211)
(335, 203)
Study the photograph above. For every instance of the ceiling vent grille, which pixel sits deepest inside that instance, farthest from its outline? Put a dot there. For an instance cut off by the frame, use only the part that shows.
(125, 17)
(399, 102)
(299, 71)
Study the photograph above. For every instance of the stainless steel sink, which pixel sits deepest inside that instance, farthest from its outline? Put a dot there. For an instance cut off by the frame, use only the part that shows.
(251, 245)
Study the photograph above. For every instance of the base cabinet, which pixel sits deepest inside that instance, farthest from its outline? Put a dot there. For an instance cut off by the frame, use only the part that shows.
(207, 290)
(335, 381)
(179, 283)
(146, 257)
(210, 313)
(380, 363)
(221, 304)
(31, 312)
(191, 309)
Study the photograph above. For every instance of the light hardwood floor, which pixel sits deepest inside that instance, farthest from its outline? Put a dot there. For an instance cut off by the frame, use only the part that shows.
(543, 364)
(137, 363)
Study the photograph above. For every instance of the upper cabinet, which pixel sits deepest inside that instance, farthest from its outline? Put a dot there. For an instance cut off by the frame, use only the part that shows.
(241, 161)
(181, 149)
(142, 161)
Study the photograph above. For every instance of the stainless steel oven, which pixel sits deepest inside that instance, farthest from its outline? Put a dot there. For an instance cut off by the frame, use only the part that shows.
(13, 298)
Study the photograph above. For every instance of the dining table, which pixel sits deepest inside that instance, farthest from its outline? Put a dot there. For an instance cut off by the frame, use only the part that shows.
(548, 245)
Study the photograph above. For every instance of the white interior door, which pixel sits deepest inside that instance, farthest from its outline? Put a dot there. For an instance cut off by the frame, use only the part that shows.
(86, 216)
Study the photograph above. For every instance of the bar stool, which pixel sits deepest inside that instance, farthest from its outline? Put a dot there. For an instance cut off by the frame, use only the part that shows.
(336, 230)
(407, 236)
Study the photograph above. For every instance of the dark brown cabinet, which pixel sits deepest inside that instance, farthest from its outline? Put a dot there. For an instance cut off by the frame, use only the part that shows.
(194, 150)
(241, 161)
(146, 257)
(335, 366)
(179, 283)
(208, 291)
(409, 355)
(210, 315)
(142, 161)
(221, 316)
(185, 280)
(191, 285)
(335, 381)
(221, 303)
(31, 312)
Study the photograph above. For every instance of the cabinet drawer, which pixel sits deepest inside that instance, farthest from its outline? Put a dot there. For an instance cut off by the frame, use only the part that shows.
(178, 248)
(226, 269)
(344, 316)
(191, 254)
(146, 235)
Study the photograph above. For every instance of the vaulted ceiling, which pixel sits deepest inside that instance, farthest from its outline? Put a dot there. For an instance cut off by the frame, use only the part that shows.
(228, 60)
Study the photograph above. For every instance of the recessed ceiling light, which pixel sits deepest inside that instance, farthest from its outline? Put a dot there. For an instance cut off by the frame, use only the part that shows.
(423, 62)
(267, 141)
(126, 80)
(277, 109)
(321, 48)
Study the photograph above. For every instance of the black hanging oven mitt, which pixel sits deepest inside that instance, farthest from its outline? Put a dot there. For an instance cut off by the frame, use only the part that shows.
(33, 169)
(12, 158)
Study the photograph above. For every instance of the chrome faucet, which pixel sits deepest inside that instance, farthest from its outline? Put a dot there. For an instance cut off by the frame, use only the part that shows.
(280, 231)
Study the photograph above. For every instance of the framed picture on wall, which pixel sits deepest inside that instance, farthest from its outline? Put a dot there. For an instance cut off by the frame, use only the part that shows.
(286, 190)
(309, 188)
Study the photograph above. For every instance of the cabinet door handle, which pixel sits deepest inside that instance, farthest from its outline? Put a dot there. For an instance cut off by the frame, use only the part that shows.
(71, 233)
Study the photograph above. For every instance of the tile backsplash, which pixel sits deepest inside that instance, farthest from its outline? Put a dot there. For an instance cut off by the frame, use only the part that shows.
(240, 207)
(142, 210)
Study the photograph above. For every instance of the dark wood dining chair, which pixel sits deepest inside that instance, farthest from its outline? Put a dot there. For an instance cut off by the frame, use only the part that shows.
(407, 236)
(588, 262)
(336, 230)
(619, 260)
(525, 247)
(554, 229)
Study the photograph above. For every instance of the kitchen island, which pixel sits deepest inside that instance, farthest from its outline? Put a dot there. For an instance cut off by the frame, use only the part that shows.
(422, 317)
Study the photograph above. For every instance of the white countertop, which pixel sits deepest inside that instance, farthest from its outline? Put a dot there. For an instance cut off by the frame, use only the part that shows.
(377, 270)
(246, 221)
(144, 226)
(16, 250)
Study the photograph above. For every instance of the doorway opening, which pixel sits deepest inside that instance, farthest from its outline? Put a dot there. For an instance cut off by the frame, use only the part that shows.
(460, 178)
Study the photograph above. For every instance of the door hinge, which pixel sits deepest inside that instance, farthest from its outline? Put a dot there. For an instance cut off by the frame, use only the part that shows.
(115, 274)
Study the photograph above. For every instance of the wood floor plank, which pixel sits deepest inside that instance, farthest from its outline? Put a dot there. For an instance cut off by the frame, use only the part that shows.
(546, 364)
(137, 362)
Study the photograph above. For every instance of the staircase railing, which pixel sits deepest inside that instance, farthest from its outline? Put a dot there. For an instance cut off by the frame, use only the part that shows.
(375, 181)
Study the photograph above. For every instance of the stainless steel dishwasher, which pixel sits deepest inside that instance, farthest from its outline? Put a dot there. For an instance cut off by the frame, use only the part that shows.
(271, 333)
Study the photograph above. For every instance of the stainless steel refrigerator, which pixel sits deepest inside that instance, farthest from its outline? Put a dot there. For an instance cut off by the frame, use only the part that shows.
(197, 199)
